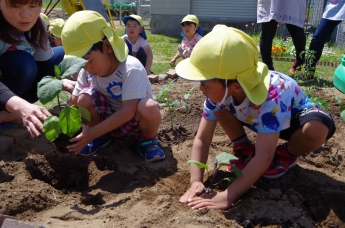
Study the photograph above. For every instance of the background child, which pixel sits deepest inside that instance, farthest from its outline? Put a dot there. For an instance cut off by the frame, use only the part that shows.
(241, 92)
(55, 29)
(191, 34)
(135, 38)
(46, 20)
(25, 54)
(112, 86)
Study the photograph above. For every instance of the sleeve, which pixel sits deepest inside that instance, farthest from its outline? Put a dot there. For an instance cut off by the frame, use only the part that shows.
(5, 95)
(210, 111)
(81, 83)
(143, 42)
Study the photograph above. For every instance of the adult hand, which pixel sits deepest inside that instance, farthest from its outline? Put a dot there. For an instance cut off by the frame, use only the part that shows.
(195, 189)
(216, 200)
(31, 115)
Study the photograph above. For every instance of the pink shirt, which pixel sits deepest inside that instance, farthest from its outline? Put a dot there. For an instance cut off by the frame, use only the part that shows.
(188, 45)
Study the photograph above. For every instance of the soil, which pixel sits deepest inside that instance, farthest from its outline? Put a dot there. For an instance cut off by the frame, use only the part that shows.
(117, 188)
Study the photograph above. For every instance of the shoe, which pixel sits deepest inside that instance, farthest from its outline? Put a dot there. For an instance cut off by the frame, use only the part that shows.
(296, 67)
(150, 150)
(244, 152)
(281, 163)
(7, 125)
(95, 144)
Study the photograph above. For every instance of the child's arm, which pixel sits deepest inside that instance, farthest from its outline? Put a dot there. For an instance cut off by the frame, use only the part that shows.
(173, 61)
(264, 152)
(200, 152)
(149, 58)
(114, 121)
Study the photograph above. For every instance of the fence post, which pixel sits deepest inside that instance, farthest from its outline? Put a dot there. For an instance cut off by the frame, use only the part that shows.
(138, 7)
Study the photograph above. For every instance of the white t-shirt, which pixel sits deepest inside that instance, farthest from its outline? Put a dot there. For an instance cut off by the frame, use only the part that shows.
(289, 12)
(334, 10)
(141, 42)
(129, 81)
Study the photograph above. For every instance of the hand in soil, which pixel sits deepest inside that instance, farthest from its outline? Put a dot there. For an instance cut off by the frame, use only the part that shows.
(80, 141)
(195, 190)
(216, 200)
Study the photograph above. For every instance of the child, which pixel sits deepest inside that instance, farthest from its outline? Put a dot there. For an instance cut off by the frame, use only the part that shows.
(241, 92)
(25, 54)
(112, 86)
(55, 30)
(135, 38)
(46, 20)
(191, 34)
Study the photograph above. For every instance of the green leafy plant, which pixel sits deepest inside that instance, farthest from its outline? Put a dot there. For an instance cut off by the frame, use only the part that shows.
(342, 112)
(220, 160)
(185, 100)
(49, 88)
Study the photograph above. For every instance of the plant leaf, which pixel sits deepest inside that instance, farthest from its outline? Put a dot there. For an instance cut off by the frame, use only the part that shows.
(225, 157)
(57, 71)
(51, 128)
(71, 65)
(48, 88)
(199, 164)
(70, 120)
(84, 113)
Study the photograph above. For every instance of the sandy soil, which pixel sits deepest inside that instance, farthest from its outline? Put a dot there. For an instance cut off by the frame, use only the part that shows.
(116, 188)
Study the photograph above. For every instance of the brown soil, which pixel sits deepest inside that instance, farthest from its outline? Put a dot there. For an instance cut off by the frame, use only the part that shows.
(116, 188)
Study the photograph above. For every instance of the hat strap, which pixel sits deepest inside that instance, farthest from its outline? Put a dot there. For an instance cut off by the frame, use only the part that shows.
(223, 100)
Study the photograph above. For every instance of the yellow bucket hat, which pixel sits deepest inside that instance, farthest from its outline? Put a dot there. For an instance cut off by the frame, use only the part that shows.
(85, 28)
(228, 53)
(56, 26)
(45, 19)
(139, 20)
(190, 18)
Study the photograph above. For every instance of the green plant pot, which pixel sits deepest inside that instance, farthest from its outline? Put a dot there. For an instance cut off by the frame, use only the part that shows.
(339, 76)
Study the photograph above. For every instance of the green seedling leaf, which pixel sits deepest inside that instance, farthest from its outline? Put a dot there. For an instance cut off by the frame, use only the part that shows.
(230, 179)
(84, 113)
(71, 65)
(199, 164)
(342, 112)
(70, 121)
(51, 128)
(237, 171)
(323, 104)
(57, 71)
(225, 157)
(48, 88)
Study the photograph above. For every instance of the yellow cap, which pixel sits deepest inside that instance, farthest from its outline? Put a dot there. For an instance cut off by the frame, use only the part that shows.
(136, 17)
(228, 53)
(190, 18)
(85, 28)
(45, 19)
(56, 26)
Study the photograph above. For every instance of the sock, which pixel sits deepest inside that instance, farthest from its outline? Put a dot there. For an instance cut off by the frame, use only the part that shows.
(287, 150)
(242, 139)
(144, 138)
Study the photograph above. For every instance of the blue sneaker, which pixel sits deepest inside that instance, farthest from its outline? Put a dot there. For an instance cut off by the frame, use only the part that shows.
(150, 150)
(95, 144)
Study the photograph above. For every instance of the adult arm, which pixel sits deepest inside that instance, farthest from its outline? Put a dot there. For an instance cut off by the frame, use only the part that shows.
(5, 95)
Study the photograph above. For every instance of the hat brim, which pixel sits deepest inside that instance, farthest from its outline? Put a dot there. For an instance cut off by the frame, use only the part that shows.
(80, 52)
(186, 70)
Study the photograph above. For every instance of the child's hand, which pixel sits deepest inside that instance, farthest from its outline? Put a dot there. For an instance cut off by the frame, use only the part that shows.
(216, 200)
(80, 141)
(68, 85)
(195, 189)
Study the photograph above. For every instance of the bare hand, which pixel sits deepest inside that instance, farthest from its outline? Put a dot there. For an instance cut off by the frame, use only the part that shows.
(172, 62)
(80, 141)
(32, 117)
(195, 189)
(216, 200)
(68, 85)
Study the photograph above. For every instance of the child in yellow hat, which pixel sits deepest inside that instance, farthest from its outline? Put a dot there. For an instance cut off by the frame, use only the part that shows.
(112, 86)
(55, 29)
(135, 38)
(191, 34)
(240, 91)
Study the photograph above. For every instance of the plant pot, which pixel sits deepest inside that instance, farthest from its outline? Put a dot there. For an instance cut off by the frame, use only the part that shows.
(62, 141)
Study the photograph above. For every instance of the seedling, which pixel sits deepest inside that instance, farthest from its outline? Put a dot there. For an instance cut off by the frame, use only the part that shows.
(186, 96)
(220, 160)
(69, 120)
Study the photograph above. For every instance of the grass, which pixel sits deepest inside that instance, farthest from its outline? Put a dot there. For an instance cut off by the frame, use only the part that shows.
(45, 4)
